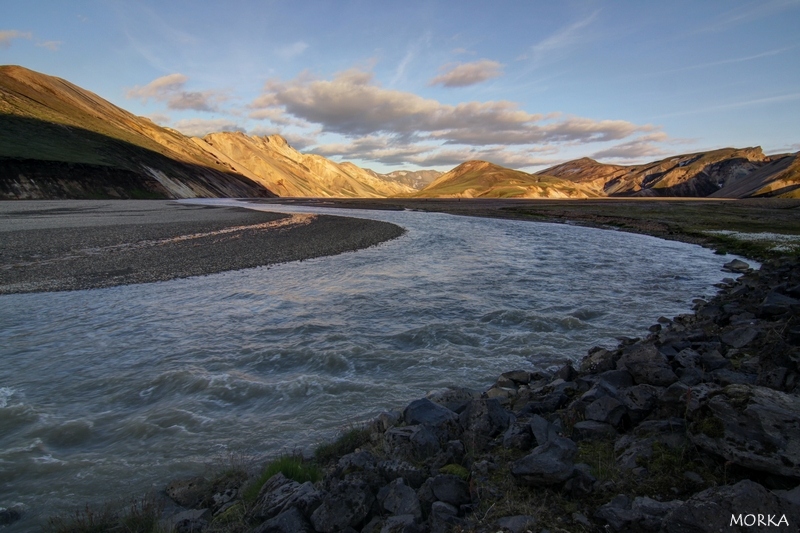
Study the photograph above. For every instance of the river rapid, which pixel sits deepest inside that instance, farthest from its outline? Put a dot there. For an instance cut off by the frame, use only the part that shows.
(111, 393)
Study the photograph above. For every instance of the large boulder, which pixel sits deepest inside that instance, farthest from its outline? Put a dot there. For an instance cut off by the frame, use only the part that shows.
(647, 366)
(745, 506)
(424, 411)
(347, 505)
(279, 494)
(548, 464)
(482, 421)
(755, 427)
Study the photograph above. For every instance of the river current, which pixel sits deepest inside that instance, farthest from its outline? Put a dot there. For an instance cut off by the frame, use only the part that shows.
(111, 393)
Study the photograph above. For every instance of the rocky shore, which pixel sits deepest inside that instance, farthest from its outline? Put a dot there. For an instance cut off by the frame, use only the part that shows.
(695, 428)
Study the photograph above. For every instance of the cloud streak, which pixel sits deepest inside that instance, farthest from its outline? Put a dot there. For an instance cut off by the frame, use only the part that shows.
(6, 36)
(170, 89)
(465, 74)
(354, 105)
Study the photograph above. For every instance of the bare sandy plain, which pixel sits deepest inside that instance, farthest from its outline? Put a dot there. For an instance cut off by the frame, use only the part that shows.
(84, 244)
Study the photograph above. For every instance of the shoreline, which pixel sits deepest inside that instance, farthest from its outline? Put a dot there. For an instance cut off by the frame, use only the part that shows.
(619, 412)
(76, 245)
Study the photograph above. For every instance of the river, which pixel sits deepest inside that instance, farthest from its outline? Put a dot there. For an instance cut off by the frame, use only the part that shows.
(112, 392)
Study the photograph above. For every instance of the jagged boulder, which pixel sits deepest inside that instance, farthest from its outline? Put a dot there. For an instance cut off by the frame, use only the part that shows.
(346, 505)
(745, 506)
(755, 427)
(548, 464)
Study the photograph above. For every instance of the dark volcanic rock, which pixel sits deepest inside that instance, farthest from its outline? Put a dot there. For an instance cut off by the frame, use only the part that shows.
(548, 464)
(647, 365)
(346, 505)
(720, 508)
(752, 426)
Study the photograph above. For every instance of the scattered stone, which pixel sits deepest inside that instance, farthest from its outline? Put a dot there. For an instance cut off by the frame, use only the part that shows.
(289, 521)
(592, 430)
(647, 365)
(424, 411)
(11, 515)
(721, 508)
(482, 421)
(450, 489)
(737, 266)
(548, 464)
(346, 505)
(739, 337)
(607, 410)
(399, 499)
(191, 521)
(751, 426)
(776, 303)
(516, 524)
(188, 492)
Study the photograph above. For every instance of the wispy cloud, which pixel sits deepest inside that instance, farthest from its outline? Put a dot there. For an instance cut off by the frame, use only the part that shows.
(768, 100)
(50, 45)
(197, 127)
(642, 146)
(290, 51)
(6, 36)
(169, 89)
(412, 52)
(748, 13)
(554, 46)
(465, 74)
(729, 61)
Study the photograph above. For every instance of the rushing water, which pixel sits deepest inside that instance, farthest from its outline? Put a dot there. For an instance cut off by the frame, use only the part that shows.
(112, 392)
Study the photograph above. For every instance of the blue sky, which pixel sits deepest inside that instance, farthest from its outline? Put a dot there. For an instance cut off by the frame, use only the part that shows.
(390, 85)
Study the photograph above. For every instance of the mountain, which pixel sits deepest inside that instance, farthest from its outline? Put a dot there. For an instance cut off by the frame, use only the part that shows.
(724, 173)
(416, 179)
(60, 141)
(282, 169)
(481, 179)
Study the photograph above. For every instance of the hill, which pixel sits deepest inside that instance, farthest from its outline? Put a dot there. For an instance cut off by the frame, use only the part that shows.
(724, 173)
(60, 141)
(481, 179)
(275, 164)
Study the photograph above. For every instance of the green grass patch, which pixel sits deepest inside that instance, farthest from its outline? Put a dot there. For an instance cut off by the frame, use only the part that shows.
(291, 466)
(600, 456)
(346, 443)
(455, 470)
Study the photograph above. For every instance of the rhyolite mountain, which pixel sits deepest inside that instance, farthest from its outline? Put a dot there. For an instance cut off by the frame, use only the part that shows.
(724, 173)
(481, 179)
(60, 141)
(287, 172)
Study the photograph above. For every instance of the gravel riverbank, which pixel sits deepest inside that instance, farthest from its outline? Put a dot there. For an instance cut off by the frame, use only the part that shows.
(72, 245)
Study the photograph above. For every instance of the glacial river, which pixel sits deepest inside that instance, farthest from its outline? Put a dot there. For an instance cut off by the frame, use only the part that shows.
(110, 393)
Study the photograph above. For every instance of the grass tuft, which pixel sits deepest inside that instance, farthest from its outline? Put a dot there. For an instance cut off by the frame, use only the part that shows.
(346, 443)
(291, 466)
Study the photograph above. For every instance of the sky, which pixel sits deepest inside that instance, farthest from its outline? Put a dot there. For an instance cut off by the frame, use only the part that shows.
(430, 84)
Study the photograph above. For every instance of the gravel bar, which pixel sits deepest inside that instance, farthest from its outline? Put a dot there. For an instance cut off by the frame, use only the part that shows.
(64, 245)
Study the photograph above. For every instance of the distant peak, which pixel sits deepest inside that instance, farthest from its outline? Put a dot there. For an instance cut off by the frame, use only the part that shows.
(276, 139)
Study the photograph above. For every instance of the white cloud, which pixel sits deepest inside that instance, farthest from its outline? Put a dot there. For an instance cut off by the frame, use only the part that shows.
(169, 89)
(291, 51)
(557, 44)
(197, 127)
(636, 149)
(388, 150)
(6, 36)
(50, 45)
(352, 104)
(465, 74)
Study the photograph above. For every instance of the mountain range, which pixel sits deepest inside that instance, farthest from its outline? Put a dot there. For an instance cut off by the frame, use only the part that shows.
(58, 140)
